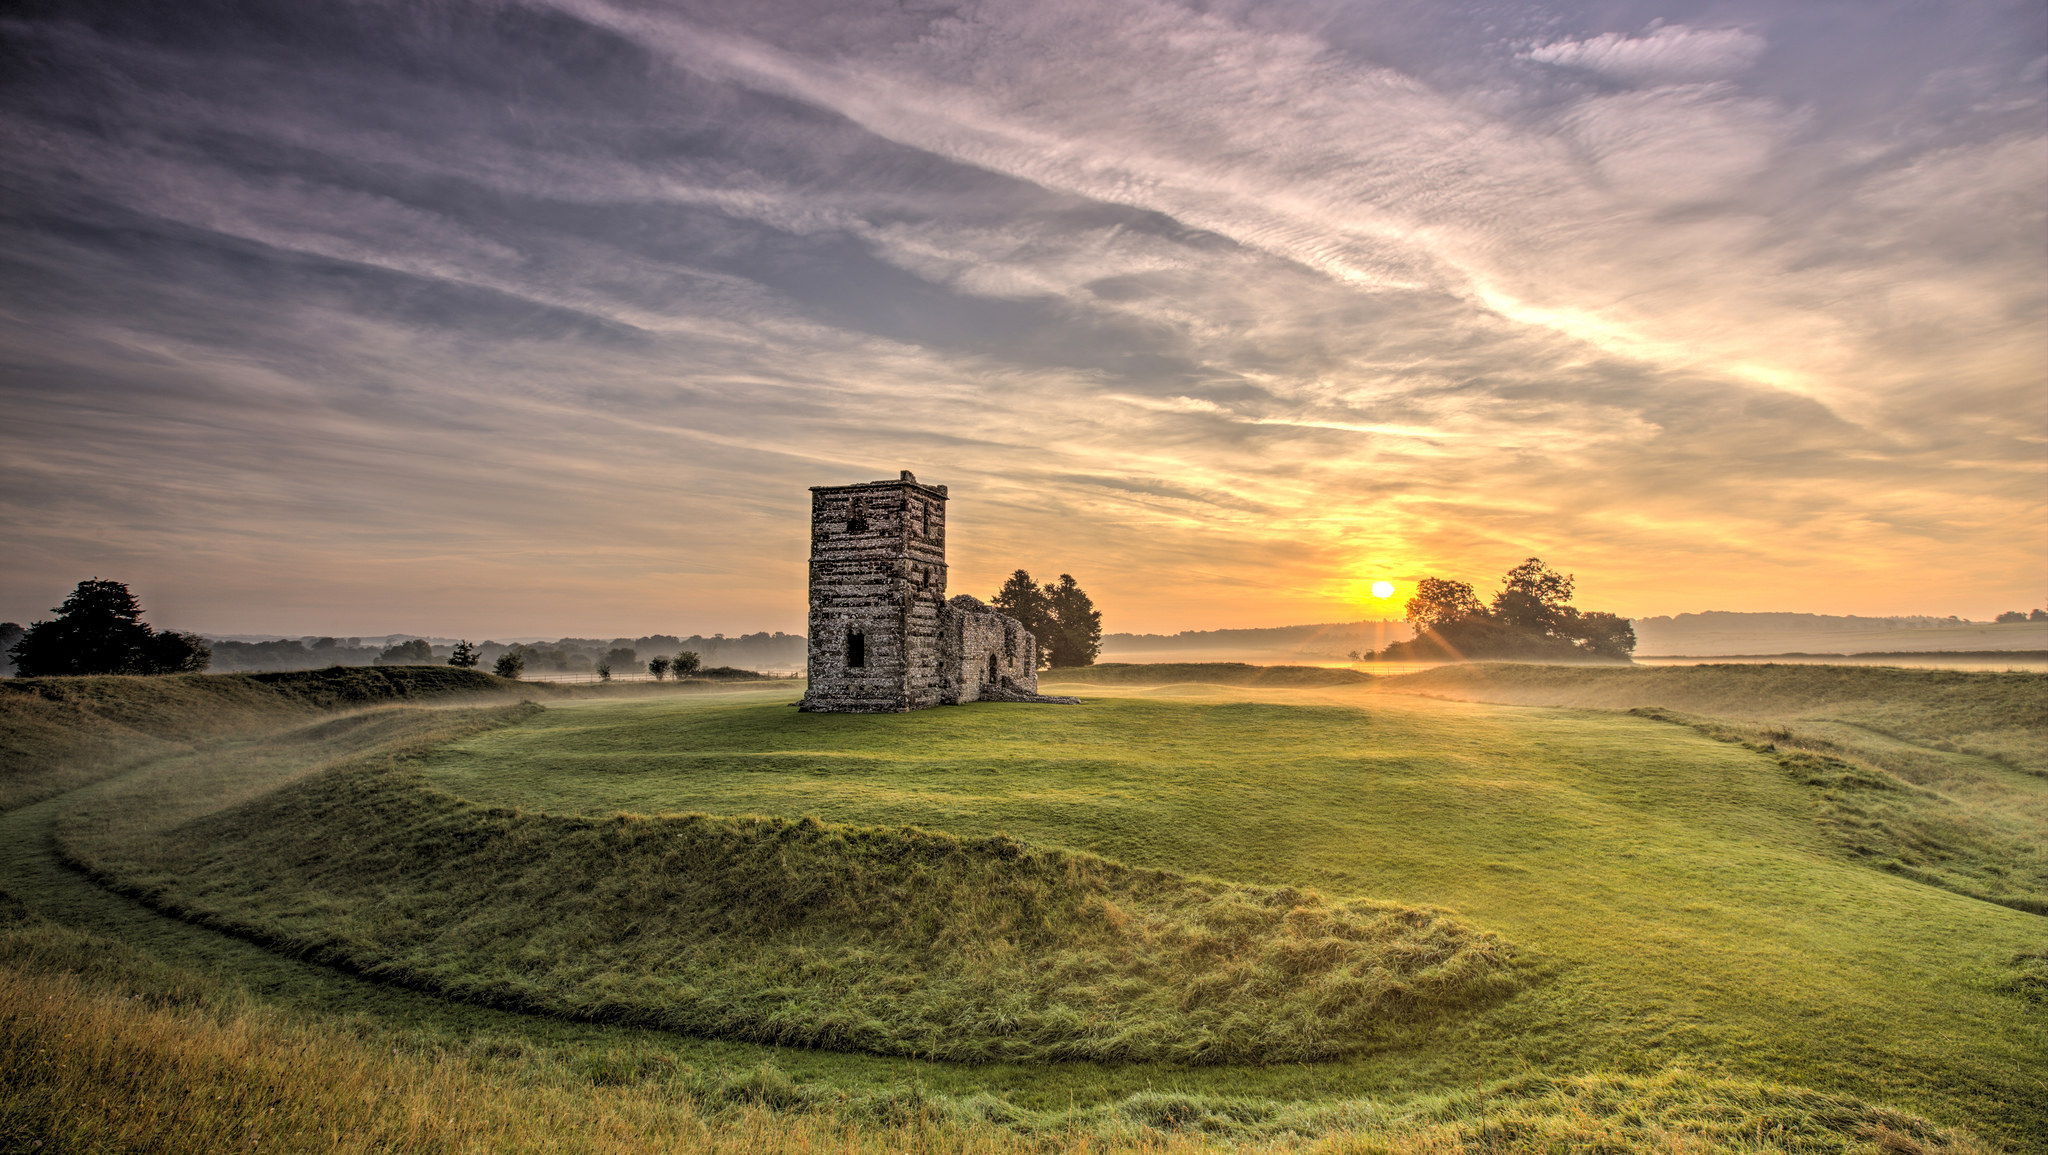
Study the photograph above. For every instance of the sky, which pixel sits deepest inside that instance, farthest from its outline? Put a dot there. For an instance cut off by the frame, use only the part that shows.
(540, 318)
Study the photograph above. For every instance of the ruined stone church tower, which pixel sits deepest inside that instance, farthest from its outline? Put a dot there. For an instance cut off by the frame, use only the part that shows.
(883, 636)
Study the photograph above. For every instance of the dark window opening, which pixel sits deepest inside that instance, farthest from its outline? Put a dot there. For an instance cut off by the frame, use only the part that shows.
(856, 518)
(995, 672)
(856, 650)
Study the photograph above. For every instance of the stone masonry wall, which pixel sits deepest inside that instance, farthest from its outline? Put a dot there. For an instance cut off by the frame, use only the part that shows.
(985, 649)
(878, 569)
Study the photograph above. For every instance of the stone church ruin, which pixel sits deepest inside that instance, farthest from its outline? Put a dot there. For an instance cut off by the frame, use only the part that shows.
(883, 636)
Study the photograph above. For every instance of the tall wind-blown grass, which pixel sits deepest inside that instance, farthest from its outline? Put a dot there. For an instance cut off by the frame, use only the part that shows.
(891, 940)
(102, 1050)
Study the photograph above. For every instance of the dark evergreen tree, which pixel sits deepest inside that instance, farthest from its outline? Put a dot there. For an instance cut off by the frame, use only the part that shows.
(465, 655)
(99, 630)
(1076, 624)
(1021, 598)
(510, 664)
(10, 633)
(172, 652)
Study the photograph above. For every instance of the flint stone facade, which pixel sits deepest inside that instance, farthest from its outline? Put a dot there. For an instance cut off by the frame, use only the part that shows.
(883, 637)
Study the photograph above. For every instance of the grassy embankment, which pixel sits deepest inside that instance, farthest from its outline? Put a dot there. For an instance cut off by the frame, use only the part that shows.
(1933, 774)
(897, 941)
(57, 734)
(104, 1049)
(1676, 889)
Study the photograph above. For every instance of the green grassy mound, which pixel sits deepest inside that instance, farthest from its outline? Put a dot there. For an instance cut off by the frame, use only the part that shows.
(60, 733)
(898, 941)
(1688, 907)
(1211, 673)
(1991, 846)
(1936, 775)
(2001, 716)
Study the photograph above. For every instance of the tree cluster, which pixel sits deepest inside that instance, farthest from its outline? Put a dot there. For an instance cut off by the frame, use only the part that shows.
(2007, 618)
(684, 664)
(99, 630)
(416, 652)
(1059, 614)
(1531, 618)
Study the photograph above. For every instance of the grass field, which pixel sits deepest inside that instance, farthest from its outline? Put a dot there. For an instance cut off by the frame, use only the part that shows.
(1686, 953)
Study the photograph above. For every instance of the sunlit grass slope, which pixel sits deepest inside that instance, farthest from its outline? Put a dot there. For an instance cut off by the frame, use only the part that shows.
(59, 733)
(889, 940)
(1939, 775)
(1693, 908)
(2002, 716)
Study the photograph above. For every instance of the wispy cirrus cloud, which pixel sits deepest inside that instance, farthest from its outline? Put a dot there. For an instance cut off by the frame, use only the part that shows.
(1665, 53)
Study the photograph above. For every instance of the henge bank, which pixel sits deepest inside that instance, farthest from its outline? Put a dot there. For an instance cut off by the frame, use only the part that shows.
(884, 637)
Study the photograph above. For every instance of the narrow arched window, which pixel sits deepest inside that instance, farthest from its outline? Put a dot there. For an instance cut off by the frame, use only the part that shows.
(995, 672)
(856, 517)
(856, 650)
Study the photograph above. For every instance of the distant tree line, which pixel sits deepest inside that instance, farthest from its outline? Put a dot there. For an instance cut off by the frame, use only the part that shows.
(2010, 616)
(567, 655)
(1059, 614)
(1531, 618)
